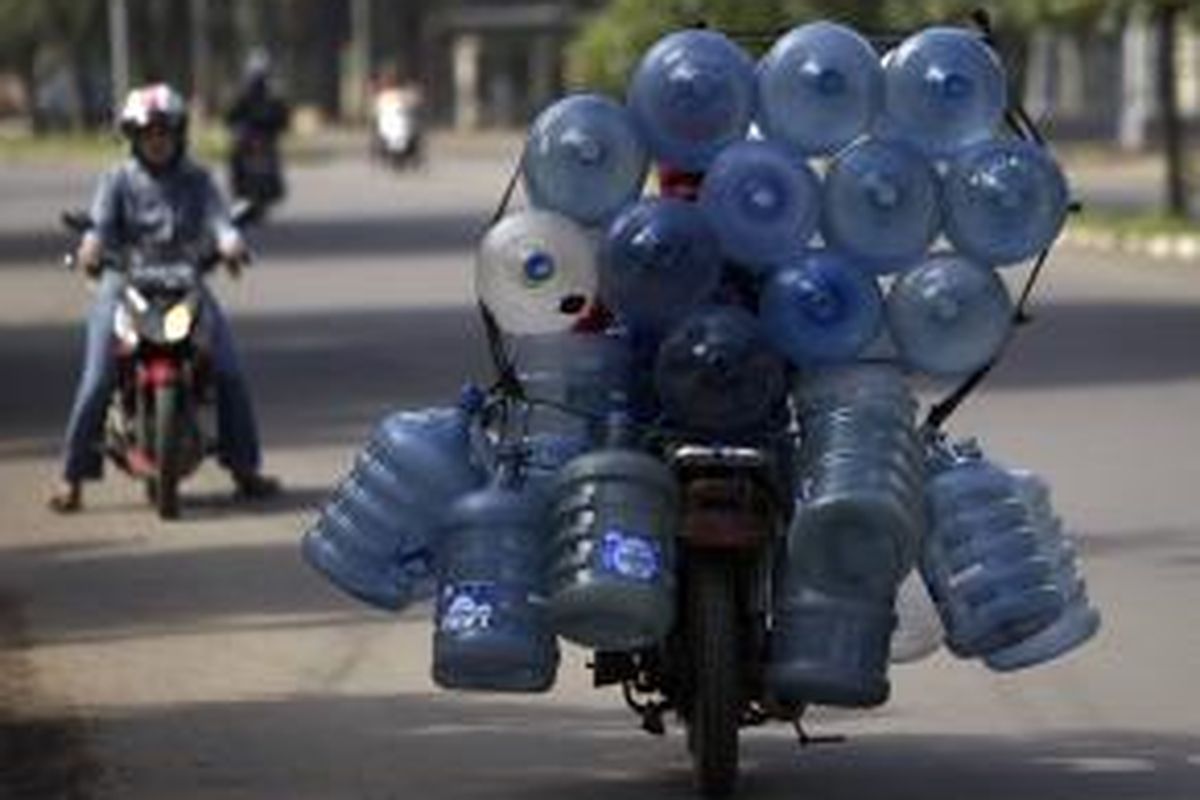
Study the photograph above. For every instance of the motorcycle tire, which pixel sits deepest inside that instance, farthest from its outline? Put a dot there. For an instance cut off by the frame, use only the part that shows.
(716, 697)
(165, 490)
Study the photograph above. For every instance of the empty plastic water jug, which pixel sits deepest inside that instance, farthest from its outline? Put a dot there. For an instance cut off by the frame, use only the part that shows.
(1079, 621)
(763, 203)
(949, 315)
(575, 380)
(716, 374)
(691, 95)
(860, 516)
(919, 632)
(944, 89)
(490, 629)
(982, 560)
(821, 310)
(1006, 201)
(882, 204)
(659, 259)
(584, 158)
(828, 649)
(374, 536)
(611, 573)
(819, 88)
(536, 272)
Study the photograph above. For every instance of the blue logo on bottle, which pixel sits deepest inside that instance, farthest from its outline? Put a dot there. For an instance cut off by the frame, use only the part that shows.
(630, 555)
(467, 607)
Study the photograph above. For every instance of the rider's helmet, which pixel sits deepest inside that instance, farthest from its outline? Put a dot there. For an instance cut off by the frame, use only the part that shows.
(257, 67)
(155, 104)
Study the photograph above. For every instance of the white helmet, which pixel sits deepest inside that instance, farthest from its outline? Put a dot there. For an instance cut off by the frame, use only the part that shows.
(155, 103)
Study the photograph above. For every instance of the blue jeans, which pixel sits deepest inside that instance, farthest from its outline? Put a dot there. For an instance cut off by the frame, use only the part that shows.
(237, 434)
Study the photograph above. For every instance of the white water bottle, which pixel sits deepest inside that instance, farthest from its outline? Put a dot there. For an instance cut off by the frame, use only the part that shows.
(948, 316)
(536, 273)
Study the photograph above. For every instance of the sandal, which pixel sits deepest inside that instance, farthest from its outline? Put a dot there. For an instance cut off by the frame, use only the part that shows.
(66, 499)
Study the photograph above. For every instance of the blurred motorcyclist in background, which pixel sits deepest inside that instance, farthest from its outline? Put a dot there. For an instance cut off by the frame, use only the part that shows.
(157, 201)
(256, 120)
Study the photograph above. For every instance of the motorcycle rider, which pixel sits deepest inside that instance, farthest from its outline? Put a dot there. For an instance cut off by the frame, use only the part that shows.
(159, 201)
(256, 112)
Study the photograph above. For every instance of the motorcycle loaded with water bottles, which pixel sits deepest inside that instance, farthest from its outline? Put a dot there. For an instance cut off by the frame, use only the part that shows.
(701, 458)
(159, 426)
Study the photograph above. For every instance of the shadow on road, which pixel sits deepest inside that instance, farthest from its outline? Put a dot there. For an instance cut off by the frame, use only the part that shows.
(446, 748)
(399, 234)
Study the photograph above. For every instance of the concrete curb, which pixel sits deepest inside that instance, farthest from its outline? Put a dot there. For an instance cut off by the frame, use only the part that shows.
(1179, 247)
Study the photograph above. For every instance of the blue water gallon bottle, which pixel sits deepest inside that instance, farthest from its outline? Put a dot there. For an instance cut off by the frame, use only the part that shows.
(944, 89)
(860, 517)
(584, 158)
(573, 380)
(659, 258)
(882, 204)
(691, 95)
(611, 564)
(716, 374)
(1079, 621)
(490, 628)
(982, 560)
(1006, 201)
(822, 309)
(819, 88)
(948, 316)
(828, 648)
(536, 272)
(374, 536)
(763, 202)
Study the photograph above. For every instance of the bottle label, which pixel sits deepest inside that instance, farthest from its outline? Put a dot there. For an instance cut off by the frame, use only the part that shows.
(467, 607)
(630, 555)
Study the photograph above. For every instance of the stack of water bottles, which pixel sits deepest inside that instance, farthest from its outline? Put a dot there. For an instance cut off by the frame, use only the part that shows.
(829, 223)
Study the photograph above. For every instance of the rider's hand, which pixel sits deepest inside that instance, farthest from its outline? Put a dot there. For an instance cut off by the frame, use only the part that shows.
(88, 256)
(233, 252)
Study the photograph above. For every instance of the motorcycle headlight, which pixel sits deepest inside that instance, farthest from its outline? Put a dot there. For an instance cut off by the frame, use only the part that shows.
(177, 323)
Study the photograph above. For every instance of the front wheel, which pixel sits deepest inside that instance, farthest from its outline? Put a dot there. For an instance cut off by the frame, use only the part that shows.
(716, 697)
(165, 486)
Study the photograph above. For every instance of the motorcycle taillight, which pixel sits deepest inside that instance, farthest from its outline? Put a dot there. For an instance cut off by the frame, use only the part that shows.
(733, 512)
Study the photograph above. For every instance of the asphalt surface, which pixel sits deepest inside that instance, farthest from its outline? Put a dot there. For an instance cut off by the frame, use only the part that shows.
(202, 659)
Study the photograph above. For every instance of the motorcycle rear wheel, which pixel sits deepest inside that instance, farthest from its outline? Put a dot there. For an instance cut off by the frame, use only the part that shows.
(716, 701)
(165, 491)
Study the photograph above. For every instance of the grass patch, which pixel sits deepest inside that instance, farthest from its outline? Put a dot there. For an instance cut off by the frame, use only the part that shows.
(209, 145)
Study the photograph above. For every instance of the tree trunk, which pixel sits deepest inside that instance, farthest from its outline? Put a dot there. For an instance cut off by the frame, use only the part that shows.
(1173, 133)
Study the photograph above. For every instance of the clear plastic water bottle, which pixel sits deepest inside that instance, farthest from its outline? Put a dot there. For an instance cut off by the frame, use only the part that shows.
(575, 381)
(1079, 621)
(949, 316)
(945, 89)
(919, 632)
(536, 272)
(821, 310)
(819, 88)
(584, 158)
(982, 560)
(829, 649)
(691, 95)
(659, 259)
(490, 628)
(858, 526)
(1006, 201)
(882, 204)
(374, 536)
(763, 203)
(611, 573)
(716, 374)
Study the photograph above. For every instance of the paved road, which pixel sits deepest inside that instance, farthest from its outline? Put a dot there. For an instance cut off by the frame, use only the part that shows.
(203, 660)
